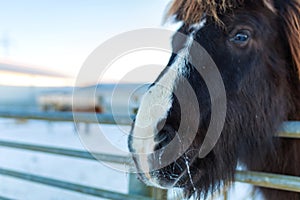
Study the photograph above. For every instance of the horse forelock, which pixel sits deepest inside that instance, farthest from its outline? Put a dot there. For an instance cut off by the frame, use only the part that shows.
(190, 11)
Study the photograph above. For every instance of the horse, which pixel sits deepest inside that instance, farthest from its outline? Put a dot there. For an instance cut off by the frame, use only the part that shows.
(255, 46)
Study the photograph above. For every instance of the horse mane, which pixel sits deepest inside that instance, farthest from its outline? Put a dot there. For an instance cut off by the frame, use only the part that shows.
(290, 13)
(191, 11)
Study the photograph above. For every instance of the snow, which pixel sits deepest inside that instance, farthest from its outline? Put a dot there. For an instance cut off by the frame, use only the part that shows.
(60, 134)
(80, 171)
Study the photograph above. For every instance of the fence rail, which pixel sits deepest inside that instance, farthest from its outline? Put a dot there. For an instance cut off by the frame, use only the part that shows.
(71, 186)
(275, 181)
(68, 152)
(289, 129)
(68, 117)
(136, 190)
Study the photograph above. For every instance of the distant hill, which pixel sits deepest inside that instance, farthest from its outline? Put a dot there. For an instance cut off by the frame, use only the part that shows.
(12, 74)
(13, 67)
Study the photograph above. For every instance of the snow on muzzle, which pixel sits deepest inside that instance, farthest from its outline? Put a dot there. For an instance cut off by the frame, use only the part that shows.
(168, 118)
(156, 139)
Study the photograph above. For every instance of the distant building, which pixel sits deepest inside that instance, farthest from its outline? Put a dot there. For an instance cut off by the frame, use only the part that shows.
(24, 98)
(104, 98)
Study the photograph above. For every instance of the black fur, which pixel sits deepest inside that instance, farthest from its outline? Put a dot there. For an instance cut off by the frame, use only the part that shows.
(263, 90)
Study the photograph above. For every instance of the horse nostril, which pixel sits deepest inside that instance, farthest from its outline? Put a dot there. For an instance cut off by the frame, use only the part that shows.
(160, 125)
(164, 136)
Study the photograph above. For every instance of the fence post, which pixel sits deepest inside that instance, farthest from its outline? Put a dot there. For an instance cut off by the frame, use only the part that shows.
(136, 187)
(159, 194)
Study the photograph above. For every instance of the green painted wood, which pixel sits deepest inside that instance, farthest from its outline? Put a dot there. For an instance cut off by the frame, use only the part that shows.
(275, 181)
(69, 152)
(68, 116)
(71, 186)
(136, 187)
(290, 129)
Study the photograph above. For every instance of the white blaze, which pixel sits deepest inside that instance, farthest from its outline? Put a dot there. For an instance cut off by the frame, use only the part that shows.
(155, 106)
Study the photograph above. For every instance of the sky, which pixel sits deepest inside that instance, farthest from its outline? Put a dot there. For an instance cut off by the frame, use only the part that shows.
(58, 35)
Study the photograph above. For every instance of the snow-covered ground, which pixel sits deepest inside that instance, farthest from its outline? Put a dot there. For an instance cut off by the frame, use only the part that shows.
(61, 134)
(86, 172)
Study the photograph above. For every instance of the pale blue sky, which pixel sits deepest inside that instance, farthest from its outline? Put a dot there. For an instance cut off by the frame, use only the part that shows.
(60, 34)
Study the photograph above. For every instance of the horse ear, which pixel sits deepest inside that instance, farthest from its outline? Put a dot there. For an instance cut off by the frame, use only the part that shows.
(270, 4)
(289, 11)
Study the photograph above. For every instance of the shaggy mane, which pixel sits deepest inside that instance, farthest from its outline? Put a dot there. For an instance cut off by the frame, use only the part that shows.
(191, 11)
(290, 14)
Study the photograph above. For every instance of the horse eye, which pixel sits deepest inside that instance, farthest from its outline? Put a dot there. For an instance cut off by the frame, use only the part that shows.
(241, 38)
